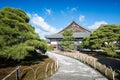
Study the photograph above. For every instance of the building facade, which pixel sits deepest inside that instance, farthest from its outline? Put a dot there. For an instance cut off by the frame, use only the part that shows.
(78, 32)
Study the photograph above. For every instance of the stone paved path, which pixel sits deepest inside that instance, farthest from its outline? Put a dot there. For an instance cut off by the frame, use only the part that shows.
(71, 69)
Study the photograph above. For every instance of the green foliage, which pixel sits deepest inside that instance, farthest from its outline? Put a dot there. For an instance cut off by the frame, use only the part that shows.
(110, 52)
(49, 48)
(80, 45)
(106, 37)
(18, 51)
(38, 44)
(68, 40)
(43, 46)
(15, 14)
(17, 36)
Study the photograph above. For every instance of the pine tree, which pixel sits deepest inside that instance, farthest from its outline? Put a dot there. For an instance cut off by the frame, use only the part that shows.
(68, 40)
(17, 36)
(106, 37)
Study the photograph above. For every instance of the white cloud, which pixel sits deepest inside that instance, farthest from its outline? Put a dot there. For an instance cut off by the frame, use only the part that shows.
(97, 24)
(37, 30)
(73, 9)
(81, 18)
(41, 26)
(48, 11)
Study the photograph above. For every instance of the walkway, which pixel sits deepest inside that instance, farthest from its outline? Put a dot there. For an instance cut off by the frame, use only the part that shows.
(71, 69)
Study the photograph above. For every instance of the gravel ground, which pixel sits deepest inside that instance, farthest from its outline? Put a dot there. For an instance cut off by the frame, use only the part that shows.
(71, 69)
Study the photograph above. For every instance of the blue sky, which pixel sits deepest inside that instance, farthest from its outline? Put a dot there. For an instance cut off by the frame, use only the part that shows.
(50, 16)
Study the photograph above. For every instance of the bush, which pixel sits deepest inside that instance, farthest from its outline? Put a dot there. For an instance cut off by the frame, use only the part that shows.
(49, 48)
(110, 52)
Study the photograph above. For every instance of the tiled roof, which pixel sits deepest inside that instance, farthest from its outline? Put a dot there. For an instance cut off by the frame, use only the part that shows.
(76, 35)
(78, 31)
(75, 27)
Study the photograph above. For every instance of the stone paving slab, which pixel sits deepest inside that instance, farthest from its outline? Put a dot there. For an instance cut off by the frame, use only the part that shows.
(72, 69)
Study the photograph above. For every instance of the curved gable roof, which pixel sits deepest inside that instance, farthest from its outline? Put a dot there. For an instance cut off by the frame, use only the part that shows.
(75, 27)
(78, 31)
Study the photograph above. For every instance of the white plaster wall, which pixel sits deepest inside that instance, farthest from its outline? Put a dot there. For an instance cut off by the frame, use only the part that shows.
(53, 42)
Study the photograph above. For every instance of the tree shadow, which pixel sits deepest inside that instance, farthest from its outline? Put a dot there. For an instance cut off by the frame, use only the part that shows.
(33, 58)
(109, 62)
(23, 76)
(104, 59)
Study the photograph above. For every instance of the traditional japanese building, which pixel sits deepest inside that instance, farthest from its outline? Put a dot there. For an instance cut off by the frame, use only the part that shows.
(78, 32)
